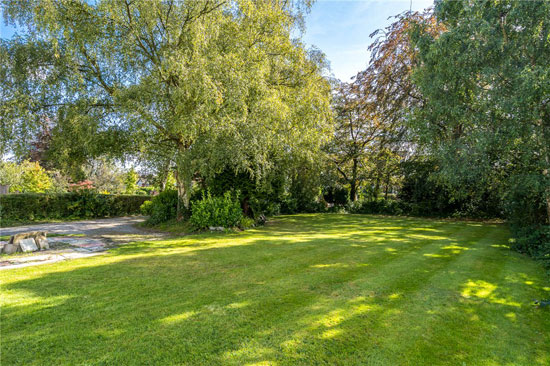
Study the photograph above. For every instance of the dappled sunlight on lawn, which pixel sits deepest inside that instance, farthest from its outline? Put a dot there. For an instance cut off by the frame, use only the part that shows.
(177, 317)
(300, 291)
(483, 290)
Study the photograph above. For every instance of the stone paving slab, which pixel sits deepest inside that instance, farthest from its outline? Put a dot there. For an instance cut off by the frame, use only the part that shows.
(100, 235)
(95, 227)
(80, 247)
(90, 244)
(45, 259)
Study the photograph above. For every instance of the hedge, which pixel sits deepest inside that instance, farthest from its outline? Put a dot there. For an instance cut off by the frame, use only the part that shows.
(44, 206)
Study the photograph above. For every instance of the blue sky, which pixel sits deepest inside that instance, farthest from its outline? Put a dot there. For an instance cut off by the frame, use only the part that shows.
(341, 29)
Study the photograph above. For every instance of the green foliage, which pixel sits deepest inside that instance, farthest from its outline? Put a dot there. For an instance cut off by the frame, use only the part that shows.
(170, 182)
(524, 203)
(533, 240)
(304, 191)
(204, 84)
(130, 182)
(364, 146)
(485, 83)
(162, 208)
(224, 211)
(105, 176)
(10, 173)
(228, 180)
(379, 207)
(258, 197)
(336, 194)
(146, 208)
(425, 195)
(262, 205)
(247, 223)
(25, 177)
(83, 204)
(145, 190)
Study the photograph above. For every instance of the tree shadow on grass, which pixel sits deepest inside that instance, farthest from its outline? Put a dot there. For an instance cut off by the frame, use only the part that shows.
(305, 300)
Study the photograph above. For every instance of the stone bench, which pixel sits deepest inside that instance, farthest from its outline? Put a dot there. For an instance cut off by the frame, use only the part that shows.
(26, 242)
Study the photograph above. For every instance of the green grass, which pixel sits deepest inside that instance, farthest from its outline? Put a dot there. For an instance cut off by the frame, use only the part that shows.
(303, 290)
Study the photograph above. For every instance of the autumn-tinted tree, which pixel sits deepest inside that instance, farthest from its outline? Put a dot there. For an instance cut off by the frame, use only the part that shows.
(371, 136)
(357, 135)
(387, 81)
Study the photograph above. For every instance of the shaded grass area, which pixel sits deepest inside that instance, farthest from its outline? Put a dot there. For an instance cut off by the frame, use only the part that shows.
(320, 289)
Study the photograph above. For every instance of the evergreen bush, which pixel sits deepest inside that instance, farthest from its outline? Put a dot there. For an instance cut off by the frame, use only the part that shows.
(162, 208)
(212, 211)
(82, 204)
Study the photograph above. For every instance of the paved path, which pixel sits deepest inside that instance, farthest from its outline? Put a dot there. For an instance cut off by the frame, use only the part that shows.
(97, 227)
(99, 236)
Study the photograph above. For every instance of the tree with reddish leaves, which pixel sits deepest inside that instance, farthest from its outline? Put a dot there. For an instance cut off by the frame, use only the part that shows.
(356, 136)
(371, 135)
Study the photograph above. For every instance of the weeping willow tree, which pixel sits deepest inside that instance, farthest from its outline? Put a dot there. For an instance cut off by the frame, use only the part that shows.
(203, 83)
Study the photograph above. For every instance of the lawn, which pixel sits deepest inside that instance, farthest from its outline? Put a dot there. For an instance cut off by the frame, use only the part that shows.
(303, 290)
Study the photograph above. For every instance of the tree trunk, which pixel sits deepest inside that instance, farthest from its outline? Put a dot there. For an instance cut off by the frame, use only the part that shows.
(548, 206)
(353, 183)
(164, 177)
(376, 189)
(546, 172)
(183, 195)
(353, 191)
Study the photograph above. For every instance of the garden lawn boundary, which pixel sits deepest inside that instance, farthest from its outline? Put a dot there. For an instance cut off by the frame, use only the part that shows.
(29, 207)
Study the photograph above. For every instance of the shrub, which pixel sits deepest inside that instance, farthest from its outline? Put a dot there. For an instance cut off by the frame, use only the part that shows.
(380, 207)
(425, 194)
(289, 205)
(246, 223)
(336, 195)
(216, 211)
(84, 204)
(262, 206)
(533, 240)
(162, 207)
(130, 182)
(146, 208)
(26, 177)
(354, 206)
(145, 190)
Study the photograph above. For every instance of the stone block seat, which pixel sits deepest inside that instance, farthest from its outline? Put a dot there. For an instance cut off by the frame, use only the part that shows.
(26, 242)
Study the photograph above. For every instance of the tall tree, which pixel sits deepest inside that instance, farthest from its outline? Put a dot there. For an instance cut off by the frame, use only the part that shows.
(486, 115)
(371, 136)
(215, 82)
(356, 137)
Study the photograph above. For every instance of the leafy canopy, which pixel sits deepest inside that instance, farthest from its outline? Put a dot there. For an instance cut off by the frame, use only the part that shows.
(204, 83)
(486, 112)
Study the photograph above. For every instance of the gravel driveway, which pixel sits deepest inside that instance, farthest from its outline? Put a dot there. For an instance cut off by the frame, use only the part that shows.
(97, 227)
